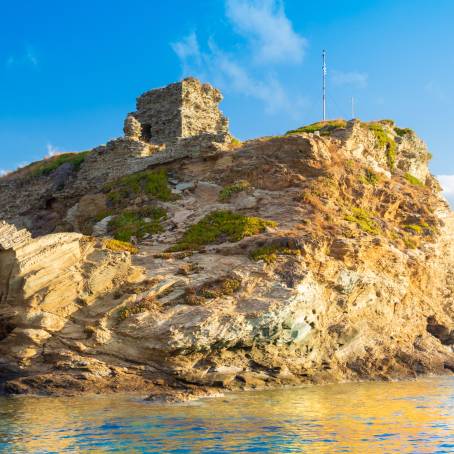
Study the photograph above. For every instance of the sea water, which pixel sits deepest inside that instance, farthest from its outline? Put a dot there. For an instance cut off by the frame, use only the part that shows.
(408, 416)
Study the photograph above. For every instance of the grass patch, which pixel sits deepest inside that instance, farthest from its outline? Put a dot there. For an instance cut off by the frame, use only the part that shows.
(363, 219)
(220, 226)
(385, 141)
(410, 243)
(227, 192)
(154, 184)
(325, 127)
(369, 177)
(414, 228)
(137, 223)
(403, 131)
(120, 246)
(423, 228)
(413, 180)
(235, 143)
(48, 165)
(269, 254)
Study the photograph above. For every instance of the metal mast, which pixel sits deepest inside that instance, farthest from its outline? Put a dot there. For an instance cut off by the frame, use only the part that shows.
(324, 83)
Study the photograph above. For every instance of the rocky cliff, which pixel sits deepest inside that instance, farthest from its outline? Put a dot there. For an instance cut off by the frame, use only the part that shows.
(324, 254)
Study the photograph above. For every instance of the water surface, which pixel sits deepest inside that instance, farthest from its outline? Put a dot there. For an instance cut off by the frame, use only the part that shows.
(415, 416)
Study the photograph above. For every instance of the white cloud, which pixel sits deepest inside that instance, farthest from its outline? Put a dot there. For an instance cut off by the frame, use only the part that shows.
(447, 183)
(52, 151)
(353, 78)
(267, 29)
(238, 71)
(4, 172)
(26, 58)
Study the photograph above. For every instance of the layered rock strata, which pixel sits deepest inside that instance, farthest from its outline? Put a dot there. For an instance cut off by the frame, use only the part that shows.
(306, 258)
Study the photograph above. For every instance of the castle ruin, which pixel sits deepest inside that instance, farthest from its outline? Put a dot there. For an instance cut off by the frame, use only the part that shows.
(179, 111)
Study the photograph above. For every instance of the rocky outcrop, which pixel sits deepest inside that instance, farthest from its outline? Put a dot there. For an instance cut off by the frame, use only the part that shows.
(312, 257)
(175, 122)
(45, 282)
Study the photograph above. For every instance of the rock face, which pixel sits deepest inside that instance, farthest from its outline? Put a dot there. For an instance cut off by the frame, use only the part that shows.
(305, 258)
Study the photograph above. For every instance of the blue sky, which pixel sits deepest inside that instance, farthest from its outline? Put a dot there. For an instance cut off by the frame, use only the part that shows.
(70, 71)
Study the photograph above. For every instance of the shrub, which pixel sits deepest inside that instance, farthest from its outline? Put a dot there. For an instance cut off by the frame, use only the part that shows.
(48, 165)
(134, 308)
(120, 246)
(413, 180)
(151, 183)
(235, 143)
(369, 177)
(363, 219)
(220, 226)
(269, 253)
(385, 141)
(133, 223)
(325, 127)
(227, 192)
(403, 131)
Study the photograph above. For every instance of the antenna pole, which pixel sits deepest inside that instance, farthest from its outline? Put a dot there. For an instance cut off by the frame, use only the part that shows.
(324, 83)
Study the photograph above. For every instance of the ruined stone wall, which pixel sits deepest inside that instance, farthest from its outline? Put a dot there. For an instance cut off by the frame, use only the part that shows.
(200, 112)
(180, 110)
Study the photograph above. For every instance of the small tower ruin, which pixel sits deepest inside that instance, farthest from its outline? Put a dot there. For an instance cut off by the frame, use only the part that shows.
(181, 111)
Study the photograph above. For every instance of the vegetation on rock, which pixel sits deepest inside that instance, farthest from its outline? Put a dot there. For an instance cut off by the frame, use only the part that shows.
(215, 289)
(369, 177)
(385, 141)
(270, 253)
(364, 220)
(137, 223)
(220, 226)
(413, 180)
(133, 308)
(120, 246)
(325, 127)
(228, 191)
(48, 165)
(403, 131)
(153, 184)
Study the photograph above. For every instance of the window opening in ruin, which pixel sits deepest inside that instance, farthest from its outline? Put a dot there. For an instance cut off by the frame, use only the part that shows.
(146, 133)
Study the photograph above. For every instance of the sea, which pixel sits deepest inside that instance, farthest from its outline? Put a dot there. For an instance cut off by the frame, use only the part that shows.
(386, 417)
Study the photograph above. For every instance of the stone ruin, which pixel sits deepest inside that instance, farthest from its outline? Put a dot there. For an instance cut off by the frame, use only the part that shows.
(180, 120)
(182, 110)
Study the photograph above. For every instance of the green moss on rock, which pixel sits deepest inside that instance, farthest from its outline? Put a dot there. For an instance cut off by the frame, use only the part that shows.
(47, 166)
(325, 127)
(228, 191)
(270, 253)
(364, 220)
(137, 223)
(220, 226)
(385, 141)
(153, 184)
(413, 180)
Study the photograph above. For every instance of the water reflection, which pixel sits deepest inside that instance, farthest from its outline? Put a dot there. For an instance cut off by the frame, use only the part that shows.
(369, 417)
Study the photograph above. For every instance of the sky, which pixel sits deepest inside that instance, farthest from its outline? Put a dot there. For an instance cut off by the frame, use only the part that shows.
(70, 71)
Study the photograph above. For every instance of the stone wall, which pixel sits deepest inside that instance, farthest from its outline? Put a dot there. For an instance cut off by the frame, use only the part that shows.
(180, 110)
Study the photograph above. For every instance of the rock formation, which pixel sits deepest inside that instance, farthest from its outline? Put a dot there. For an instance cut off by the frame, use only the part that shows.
(321, 255)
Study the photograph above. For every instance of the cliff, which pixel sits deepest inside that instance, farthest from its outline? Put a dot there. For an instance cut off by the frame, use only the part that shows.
(321, 255)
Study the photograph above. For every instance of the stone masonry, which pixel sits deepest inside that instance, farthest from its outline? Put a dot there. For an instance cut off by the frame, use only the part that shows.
(180, 110)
